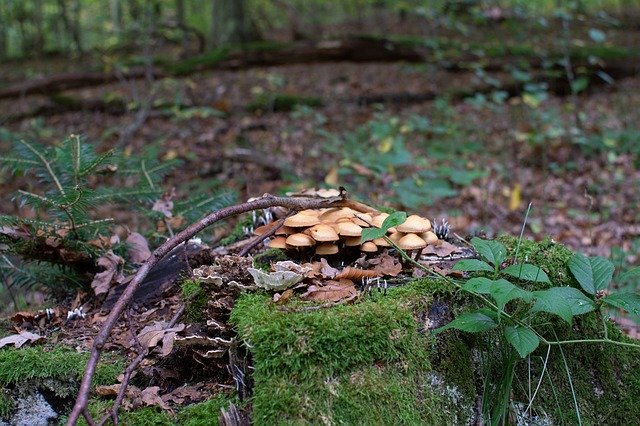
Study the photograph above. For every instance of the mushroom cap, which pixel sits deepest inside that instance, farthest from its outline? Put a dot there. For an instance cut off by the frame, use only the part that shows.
(348, 229)
(302, 219)
(416, 224)
(352, 241)
(366, 218)
(396, 236)
(261, 230)
(379, 219)
(278, 242)
(326, 248)
(285, 230)
(360, 222)
(335, 213)
(430, 237)
(381, 242)
(322, 232)
(300, 240)
(369, 247)
(411, 242)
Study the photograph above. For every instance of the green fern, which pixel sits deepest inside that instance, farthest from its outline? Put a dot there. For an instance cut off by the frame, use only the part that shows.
(72, 181)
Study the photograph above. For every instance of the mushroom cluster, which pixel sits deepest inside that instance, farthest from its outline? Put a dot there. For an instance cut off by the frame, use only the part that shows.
(327, 230)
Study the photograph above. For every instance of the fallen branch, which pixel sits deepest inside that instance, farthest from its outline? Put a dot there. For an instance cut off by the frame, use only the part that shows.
(266, 201)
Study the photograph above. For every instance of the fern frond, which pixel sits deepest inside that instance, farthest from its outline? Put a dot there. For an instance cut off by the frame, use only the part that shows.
(200, 205)
(94, 164)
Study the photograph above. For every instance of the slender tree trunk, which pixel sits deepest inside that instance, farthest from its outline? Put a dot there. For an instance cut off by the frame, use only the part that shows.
(72, 27)
(230, 23)
(3, 32)
(38, 41)
(116, 15)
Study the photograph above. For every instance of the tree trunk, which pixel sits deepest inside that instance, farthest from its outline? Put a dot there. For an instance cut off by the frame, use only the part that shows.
(116, 15)
(72, 27)
(230, 23)
(38, 42)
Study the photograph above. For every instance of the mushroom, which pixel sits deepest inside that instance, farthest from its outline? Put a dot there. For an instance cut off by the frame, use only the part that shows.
(333, 214)
(302, 219)
(300, 240)
(412, 242)
(369, 247)
(381, 242)
(322, 232)
(326, 249)
(351, 241)
(348, 229)
(415, 224)
(430, 237)
(278, 242)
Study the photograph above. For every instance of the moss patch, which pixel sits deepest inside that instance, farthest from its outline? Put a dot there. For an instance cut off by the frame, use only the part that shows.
(195, 299)
(365, 363)
(264, 260)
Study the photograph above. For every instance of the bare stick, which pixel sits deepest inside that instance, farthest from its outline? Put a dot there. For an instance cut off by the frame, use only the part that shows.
(298, 203)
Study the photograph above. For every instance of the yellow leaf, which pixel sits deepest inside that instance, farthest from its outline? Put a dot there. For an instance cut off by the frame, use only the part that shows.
(386, 145)
(516, 197)
(332, 178)
(170, 155)
(531, 100)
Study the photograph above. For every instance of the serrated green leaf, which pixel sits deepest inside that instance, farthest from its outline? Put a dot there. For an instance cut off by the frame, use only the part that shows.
(633, 273)
(592, 273)
(492, 251)
(472, 265)
(551, 301)
(527, 272)
(503, 292)
(578, 301)
(626, 301)
(472, 322)
(523, 339)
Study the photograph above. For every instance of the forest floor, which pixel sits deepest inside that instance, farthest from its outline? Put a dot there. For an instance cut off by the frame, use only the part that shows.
(476, 161)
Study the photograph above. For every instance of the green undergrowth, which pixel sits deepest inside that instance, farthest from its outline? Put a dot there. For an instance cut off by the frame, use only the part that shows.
(376, 362)
(55, 370)
(202, 413)
(275, 102)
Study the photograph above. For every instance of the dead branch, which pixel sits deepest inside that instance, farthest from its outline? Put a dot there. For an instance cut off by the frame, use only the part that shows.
(266, 201)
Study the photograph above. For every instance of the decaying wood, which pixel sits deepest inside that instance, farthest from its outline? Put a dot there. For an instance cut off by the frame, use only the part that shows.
(266, 201)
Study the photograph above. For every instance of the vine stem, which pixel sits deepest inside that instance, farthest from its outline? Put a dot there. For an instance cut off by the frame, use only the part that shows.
(266, 201)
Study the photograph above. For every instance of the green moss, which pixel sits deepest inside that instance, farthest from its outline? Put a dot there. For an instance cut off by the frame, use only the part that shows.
(364, 363)
(547, 254)
(282, 102)
(6, 404)
(145, 416)
(264, 260)
(39, 363)
(205, 412)
(195, 300)
(199, 62)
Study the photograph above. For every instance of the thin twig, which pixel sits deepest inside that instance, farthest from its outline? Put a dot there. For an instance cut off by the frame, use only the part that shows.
(264, 202)
(260, 238)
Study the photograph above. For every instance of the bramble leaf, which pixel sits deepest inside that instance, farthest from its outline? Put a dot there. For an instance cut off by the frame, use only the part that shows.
(527, 272)
(592, 273)
(627, 301)
(493, 251)
(553, 302)
(472, 322)
(472, 265)
(523, 339)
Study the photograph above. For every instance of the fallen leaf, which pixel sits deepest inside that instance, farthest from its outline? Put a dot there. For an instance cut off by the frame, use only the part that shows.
(20, 339)
(351, 273)
(515, 197)
(138, 249)
(441, 249)
(179, 395)
(164, 205)
(327, 270)
(332, 177)
(151, 397)
(388, 265)
(151, 335)
(103, 281)
(331, 291)
(283, 298)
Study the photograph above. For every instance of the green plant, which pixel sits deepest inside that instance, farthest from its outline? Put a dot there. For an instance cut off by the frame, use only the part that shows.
(60, 245)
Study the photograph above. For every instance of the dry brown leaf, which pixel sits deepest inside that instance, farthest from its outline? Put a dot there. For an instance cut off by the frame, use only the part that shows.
(387, 265)
(20, 339)
(164, 205)
(441, 249)
(332, 291)
(151, 335)
(150, 397)
(283, 298)
(179, 395)
(351, 273)
(103, 281)
(327, 270)
(138, 249)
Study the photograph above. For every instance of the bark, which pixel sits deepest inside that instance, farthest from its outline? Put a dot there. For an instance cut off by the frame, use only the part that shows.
(230, 23)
